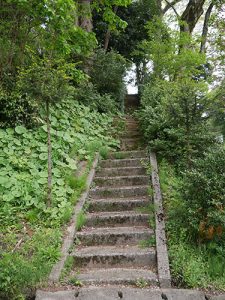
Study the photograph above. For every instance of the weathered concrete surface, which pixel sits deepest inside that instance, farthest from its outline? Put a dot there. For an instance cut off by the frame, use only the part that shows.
(161, 245)
(116, 276)
(119, 192)
(113, 293)
(130, 143)
(218, 297)
(119, 181)
(114, 256)
(115, 163)
(124, 218)
(121, 171)
(114, 235)
(182, 294)
(118, 204)
(128, 154)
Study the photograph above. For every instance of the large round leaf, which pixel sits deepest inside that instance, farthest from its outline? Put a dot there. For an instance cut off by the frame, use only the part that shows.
(3, 180)
(20, 129)
(43, 156)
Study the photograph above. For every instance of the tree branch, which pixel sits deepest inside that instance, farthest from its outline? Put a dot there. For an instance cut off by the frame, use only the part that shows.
(206, 28)
(170, 5)
(191, 15)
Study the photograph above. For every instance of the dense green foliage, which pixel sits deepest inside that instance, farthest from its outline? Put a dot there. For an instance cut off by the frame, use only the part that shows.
(106, 89)
(194, 210)
(76, 134)
(204, 194)
(24, 159)
(107, 74)
(173, 121)
(174, 114)
(183, 123)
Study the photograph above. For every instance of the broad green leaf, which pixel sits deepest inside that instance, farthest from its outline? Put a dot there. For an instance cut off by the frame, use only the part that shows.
(20, 129)
(43, 156)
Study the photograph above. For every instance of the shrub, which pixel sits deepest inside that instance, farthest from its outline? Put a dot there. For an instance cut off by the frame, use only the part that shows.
(203, 190)
(173, 120)
(193, 263)
(16, 108)
(107, 74)
(88, 95)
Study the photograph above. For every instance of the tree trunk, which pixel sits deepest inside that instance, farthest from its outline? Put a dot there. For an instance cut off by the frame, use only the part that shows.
(49, 192)
(206, 28)
(85, 16)
(108, 33)
(107, 38)
(191, 15)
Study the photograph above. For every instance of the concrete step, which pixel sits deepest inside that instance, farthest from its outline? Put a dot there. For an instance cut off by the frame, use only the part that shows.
(114, 256)
(130, 143)
(120, 181)
(113, 235)
(120, 163)
(121, 192)
(128, 154)
(121, 171)
(132, 133)
(125, 218)
(118, 204)
(117, 276)
(122, 292)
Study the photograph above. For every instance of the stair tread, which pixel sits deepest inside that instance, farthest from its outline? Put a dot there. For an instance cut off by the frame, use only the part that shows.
(132, 199)
(119, 168)
(124, 159)
(115, 213)
(129, 187)
(122, 177)
(114, 230)
(116, 274)
(112, 251)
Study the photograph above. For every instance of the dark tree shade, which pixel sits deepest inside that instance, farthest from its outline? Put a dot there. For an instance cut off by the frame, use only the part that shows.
(136, 15)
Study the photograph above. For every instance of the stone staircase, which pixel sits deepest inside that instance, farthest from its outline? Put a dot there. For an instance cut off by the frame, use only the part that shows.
(108, 261)
(108, 249)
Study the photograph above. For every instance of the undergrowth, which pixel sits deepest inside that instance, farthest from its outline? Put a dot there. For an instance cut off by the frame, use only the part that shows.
(30, 231)
(192, 264)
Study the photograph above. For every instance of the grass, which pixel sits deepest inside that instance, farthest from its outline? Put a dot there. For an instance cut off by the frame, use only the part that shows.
(147, 243)
(141, 283)
(192, 265)
(75, 281)
(67, 267)
(104, 152)
(81, 220)
(28, 264)
(119, 155)
(149, 209)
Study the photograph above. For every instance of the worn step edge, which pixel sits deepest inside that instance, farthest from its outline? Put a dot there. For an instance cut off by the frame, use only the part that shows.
(114, 235)
(120, 181)
(113, 256)
(117, 204)
(120, 171)
(119, 192)
(117, 219)
(117, 276)
(123, 162)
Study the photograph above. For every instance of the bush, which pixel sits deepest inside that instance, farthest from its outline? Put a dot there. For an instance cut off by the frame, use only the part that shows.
(88, 95)
(107, 74)
(173, 120)
(194, 262)
(16, 108)
(203, 191)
